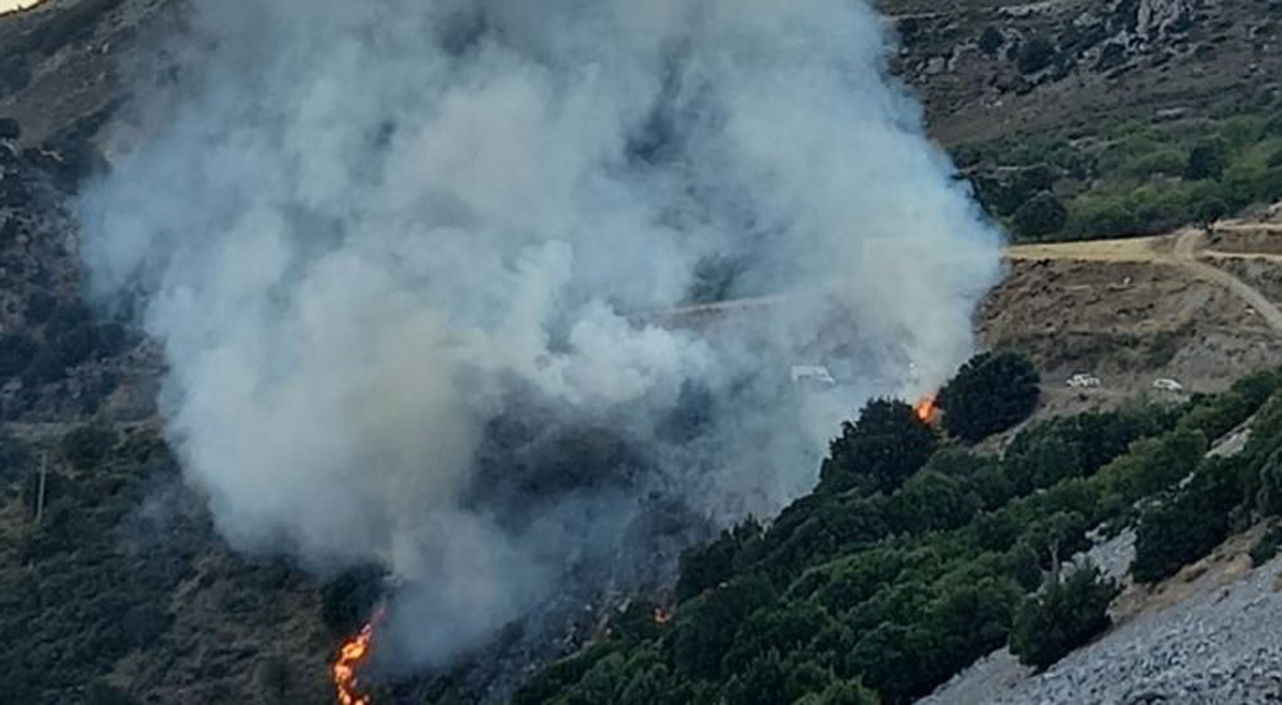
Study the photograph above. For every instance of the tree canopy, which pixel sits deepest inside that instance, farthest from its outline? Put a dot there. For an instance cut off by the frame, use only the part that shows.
(879, 451)
(991, 393)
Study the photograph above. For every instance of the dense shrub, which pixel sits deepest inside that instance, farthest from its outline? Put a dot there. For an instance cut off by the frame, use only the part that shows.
(991, 393)
(1155, 464)
(10, 129)
(68, 345)
(880, 450)
(1042, 215)
(704, 630)
(708, 565)
(1268, 480)
(86, 446)
(1266, 547)
(991, 40)
(1187, 525)
(1036, 54)
(902, 590)
(932, 501)
(106, 694)
(1098, 215)
(16, 352)
(1206, 161)
(848, 693)
(1063, 617)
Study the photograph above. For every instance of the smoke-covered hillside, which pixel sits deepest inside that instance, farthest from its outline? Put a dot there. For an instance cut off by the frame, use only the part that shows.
(412, 295)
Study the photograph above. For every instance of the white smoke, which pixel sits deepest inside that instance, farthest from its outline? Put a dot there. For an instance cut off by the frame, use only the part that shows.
(371, 225)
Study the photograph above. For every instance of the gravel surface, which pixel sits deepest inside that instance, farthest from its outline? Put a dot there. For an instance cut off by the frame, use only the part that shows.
(1217, 642)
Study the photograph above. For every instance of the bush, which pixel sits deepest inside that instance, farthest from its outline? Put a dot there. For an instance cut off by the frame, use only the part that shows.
(10, 129)
(1208, 210)
(1094, 215)
(1268, 498)
(106, 694)
(1159, 162)
(1036, 54)
(1206, 161)
(87, 446)
(705, 628)
(991, 40)
(931, 501)
(1267, 547)
(1043, 215)
(1065, 616)
(880, 450)
(708, 565)
(16, 352)
(1188, 525)
(850, 693)
(991, 393)
(1155, 464)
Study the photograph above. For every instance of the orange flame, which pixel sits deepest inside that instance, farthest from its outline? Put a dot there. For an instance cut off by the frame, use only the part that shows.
(353, 654)
(927, 409)
(662, 616)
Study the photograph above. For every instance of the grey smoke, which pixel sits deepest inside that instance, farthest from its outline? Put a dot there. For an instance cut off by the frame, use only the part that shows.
(368, 227)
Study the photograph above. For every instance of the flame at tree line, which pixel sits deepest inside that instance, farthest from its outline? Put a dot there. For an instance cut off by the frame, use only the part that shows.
(353, 654)
(928, 409)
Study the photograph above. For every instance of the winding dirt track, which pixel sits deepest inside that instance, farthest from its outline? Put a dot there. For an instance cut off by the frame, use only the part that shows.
(1184, 249)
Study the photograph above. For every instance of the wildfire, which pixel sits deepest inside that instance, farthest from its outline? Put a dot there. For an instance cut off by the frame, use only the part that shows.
(662, 616)
(354, 653)
(927, 409)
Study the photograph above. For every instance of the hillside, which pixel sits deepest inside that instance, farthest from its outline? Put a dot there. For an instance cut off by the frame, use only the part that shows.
(116, 589)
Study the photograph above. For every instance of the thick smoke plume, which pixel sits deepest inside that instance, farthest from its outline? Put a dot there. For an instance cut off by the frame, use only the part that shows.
(426, 274)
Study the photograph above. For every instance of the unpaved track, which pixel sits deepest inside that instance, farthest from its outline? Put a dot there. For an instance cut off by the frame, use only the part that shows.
(1184, 249)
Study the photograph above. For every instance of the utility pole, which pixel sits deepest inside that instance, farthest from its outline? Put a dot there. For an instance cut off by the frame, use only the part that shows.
(40, 493)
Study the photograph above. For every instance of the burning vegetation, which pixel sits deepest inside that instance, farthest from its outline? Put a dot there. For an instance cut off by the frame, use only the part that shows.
(928, 409)
(351, 657)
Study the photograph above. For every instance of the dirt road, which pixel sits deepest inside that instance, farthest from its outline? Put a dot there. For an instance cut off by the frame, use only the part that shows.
(1185, 249)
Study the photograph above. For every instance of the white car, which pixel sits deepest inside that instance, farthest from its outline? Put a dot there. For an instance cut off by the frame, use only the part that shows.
(1083, 381)
(1167, 384)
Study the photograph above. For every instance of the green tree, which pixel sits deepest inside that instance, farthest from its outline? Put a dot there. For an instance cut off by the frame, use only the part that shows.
(1185, 527)
(771, 679)
(991, 40)
(1036, 54)
(879, 451)
(16, 352)
(1209, 209)
(708, 565)
(991, 393)
(1063, 617)
(1042, 215)
(932, 501)
(1268, 486)
(846, 693)
(87, 446)
(705, 627)
(1207, 160)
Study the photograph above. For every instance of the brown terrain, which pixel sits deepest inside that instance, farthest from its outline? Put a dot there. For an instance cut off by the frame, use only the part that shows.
(1200, 309)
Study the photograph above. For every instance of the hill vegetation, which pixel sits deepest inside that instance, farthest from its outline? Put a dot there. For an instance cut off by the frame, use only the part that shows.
(916, 555)
(1129, 178)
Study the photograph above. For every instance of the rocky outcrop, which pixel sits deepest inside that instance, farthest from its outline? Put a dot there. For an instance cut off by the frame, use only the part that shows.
(1157, 18)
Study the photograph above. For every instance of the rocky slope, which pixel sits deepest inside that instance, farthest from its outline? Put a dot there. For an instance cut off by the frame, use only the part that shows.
(1205, 637)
